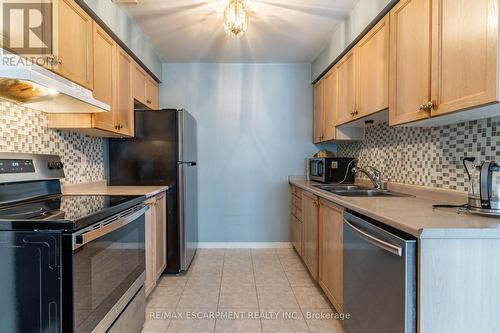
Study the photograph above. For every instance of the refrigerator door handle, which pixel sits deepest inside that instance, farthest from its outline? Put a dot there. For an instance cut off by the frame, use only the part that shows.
(188, 163)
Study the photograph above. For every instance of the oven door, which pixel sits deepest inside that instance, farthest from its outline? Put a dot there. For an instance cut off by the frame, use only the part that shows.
(108, 268)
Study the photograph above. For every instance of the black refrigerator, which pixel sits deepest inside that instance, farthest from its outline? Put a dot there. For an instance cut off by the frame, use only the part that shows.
(163, 152)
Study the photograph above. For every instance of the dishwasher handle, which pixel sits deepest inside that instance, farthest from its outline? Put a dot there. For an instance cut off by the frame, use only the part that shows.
(375, 241)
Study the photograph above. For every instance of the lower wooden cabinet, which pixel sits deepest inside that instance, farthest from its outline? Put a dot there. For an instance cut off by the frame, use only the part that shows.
(296, 222)
(156, 235)
(330, 276)
(310, 233)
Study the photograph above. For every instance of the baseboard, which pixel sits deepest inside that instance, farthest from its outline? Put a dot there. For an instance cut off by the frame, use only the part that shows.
(245, 245)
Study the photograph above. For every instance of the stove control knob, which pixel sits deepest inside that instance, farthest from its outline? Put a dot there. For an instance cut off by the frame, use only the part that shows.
(59, 165)
(52, 165)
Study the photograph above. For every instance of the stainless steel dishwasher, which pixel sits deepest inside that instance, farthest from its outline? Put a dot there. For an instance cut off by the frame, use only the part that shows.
(379, 278)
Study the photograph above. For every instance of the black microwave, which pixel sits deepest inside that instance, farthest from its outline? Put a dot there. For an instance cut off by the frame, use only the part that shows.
(332, 169)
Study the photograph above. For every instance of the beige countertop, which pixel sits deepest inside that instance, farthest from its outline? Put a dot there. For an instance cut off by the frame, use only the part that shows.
(100, 188)
(415, 215)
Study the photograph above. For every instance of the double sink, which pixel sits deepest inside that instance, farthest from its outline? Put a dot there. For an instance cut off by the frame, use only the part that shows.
(358, 191)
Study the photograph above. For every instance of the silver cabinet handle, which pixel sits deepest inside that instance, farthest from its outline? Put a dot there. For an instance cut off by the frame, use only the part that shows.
(377, 242)
(100, 229)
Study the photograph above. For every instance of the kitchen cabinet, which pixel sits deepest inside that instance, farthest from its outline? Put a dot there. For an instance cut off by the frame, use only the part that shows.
(124, 98)
(161, 234)
(372, 55)
(104, 75)
(113, 86)
(145, 89)
(139, 83)
(346, 88)
(156, 235)
(310, 233)
(318, 112)
(329, 105)
(443, 57)
(152, 94)
(330, 276)
(296, 222)
(410, 61)
(464, 54)
(73, 44)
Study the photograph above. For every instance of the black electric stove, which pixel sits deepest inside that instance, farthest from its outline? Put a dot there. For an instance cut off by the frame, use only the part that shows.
(72, 263)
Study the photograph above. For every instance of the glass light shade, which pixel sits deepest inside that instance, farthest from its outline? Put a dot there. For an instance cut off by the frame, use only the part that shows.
(236, 17)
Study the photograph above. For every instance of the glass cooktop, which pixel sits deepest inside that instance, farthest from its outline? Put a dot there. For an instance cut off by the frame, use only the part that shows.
(66, 208)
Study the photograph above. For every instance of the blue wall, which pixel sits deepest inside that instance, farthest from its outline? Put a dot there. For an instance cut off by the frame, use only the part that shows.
(254, 129)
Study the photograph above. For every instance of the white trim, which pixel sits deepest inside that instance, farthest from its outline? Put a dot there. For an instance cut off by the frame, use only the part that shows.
(245, 245)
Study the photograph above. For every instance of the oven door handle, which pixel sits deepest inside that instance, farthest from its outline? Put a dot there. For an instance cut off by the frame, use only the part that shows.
(375, 241)
(89, 234)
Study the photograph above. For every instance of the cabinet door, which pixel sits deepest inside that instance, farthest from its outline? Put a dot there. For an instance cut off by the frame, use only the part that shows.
(124, 99)
(150, 225)
(152, 94)
(373, 70)
(74, 44)
(104, 74)
(329, 105)
(160, 234)
(464, 54)
(318, 112)
(346, 88)
(139, 84)
(330, 252)
(409, 61)
(296, 235)
(310, 233)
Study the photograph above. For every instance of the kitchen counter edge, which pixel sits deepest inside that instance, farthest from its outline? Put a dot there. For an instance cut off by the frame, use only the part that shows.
(490, 229)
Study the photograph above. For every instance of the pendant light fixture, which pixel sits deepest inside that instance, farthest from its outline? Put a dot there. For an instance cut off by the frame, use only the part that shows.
(236, 17)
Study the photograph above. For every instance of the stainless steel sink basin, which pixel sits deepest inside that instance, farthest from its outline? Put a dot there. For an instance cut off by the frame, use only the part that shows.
(358, 191)
(368, 193)
(331, 188)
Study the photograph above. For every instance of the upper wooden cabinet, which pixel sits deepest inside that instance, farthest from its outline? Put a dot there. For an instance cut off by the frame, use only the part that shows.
(139, 83)
(73, 44)
(124, 96)
(113, 86)
(372, 55)
(330, 276)
(310, 232)
(346, 88)
(329, 105)
(145, 89)
(443, 57)
(105, 78)
(318, 112)
(152, 98)
(410, 61)
(464, 54)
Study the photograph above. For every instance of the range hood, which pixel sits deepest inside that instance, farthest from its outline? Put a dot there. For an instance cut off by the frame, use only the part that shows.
(38, 88)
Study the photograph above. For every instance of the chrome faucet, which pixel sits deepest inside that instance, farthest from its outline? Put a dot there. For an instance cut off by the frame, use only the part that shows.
(375, 176)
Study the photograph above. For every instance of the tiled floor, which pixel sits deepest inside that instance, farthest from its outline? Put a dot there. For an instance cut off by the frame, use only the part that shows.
(241, 290)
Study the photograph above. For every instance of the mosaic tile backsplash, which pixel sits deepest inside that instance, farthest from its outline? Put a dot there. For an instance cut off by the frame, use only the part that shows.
(25, 130)
(427, 156)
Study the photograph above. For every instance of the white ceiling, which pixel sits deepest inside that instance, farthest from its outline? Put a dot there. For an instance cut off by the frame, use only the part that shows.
(279, 30)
